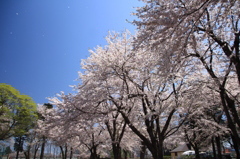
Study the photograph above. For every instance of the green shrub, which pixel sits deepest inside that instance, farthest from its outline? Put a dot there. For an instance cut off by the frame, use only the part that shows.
(166, 157)
(187, 157)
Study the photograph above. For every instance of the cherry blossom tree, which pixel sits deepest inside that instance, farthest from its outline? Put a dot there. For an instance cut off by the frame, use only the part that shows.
(74, 120)
(69, 129)
(135, 83)
(174, 21)
(202, 106)
(116, 128)
(201, 127)
(204, 32)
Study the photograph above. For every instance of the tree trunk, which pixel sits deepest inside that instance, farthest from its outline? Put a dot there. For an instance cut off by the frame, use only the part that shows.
(71, 153)
(19, 145)
(62, 152)
(236, 147)
(155, 143)
(43, 147)
(143, 151)
(94, 153)
(160, 149)
(125, 154)
(17, 154)
(229, 108)
(214, 149)
(232, 108)
(230, 111)
(35, 155)
(219, 150)
(27, 155)
(157, 150)
(35, 152)
(197, 154)
(116, 151)
(66, 151)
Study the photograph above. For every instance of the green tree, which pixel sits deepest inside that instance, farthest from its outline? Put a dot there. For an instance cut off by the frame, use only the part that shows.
(18, 145)
(8, 150)
(44, 139)
(18, 112)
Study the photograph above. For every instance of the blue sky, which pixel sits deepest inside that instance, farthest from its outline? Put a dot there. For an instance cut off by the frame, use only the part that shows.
(43, 41)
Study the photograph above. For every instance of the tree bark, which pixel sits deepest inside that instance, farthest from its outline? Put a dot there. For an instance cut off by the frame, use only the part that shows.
(19, 143)
(27, 154)
(197, 153)
(226, 106)
(214, 149)
(66, 151)
(160, 149)
(62, 152)
(94, 153)
(143, 151)
(35, 151)
(236, 147)
(116, 150)
(125, 154)
(219, 150)
(17, 154)
(43, 147)
(71, 153)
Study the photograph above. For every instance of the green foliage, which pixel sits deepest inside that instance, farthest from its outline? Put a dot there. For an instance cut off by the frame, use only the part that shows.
(166, 157)
(17, 112)
(8, 150)
(18, 145)
(187, 156)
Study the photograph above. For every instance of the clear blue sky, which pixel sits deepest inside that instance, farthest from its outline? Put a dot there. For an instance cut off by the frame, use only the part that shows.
(43, 41)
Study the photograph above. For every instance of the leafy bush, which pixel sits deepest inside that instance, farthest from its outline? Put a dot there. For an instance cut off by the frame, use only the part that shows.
(187, 157)
(166, 157)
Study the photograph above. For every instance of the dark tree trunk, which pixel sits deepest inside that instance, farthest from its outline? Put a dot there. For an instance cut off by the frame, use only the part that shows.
(214, 149)
(143, 151)
(160, 149)
(195, 146)
(116, 151)
(230, 111)
(157, 150)
(36, 147)
(19, 146)
(62, 152)
(17, 154)
(219, 150)
(43, 147)
(35, 155)
(66, 151)
(125, 154)
(116, 135)
(197, 154)
(94, 154)
(71, 153)
(236, 147)
(232, 108)
(156, 135)
(27, 155)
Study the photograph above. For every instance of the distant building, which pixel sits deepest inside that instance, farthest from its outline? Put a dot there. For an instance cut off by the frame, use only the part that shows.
(177, 152)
